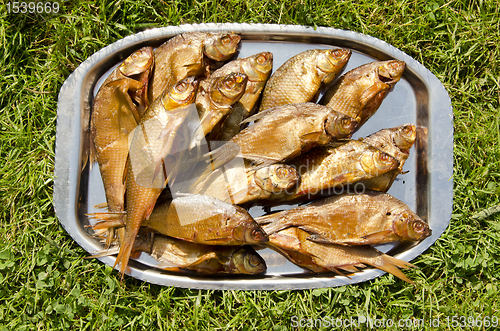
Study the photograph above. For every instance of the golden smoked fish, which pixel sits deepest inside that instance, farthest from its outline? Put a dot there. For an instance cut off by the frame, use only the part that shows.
(114, 116)
(300, 78)
(286, 131)
(352, 219)
(215, 99)
(183, 56)
(294, 244)
(325, 169)
(359, 92)
(257, 68)
(151, 142)
(240, 185)
(174, 254)
(205, 220)
(397, 142)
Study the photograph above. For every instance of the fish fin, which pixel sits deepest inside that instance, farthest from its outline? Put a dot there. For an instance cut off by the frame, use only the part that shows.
(348, 268)
(260, 161)
(126, 84)
(391, 265)
(310, 137)
(110, 237)
(124, 253)
(103, 205)
(103, 253)
(256, 117)
(205, 182)
(108, 216)
(92, 158)
(372, 91)
(217, 158)
(108, 224)
(375, 238)
(317, 238)
(125, 169)
(338, 272)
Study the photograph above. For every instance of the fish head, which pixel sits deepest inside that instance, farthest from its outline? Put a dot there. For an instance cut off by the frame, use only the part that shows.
(340, 126)
(181, 94)
(409, 226)
(246, 229)
(405, 136)
(376, 162)
(138, 62)
(332, 61)
(221, 46)
(246, 261)
(390, 72)
(228, 90)
(259, 67)
(276, 178)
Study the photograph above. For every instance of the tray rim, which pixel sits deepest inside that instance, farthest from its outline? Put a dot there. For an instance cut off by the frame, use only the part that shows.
(66, 177)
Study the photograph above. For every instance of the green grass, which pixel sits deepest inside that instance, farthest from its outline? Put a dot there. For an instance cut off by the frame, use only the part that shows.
(45, 282)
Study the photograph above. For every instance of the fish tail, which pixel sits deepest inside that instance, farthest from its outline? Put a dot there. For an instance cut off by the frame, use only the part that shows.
(391, 265)
(124, 253)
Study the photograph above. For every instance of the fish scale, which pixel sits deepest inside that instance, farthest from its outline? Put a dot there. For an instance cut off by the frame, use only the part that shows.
(145, 172)
(299, 79)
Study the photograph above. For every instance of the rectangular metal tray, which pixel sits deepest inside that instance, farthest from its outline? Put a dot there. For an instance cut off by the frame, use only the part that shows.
(419, 98)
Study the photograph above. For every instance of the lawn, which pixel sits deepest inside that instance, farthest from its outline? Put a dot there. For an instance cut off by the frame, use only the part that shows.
(47, 284)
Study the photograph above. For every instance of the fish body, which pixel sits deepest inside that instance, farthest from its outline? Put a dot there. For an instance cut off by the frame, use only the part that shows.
(240, 185)
(396, 142)
(183, 56)
(296, 246)
(257, 68)
(174, 253)
(325, 168)
(215, 100)
(359, 92)
(151, 142)
(114, 116)
(205, 220)
(286, 131)
(352, 219)
(300, 78)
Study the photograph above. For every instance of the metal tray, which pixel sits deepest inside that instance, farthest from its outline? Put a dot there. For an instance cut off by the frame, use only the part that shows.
(419, 98)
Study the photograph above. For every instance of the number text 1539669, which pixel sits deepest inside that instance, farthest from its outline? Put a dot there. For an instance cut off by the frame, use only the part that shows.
(41, 7)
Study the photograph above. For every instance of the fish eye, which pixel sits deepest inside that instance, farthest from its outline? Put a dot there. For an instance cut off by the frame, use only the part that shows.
(261, 59)
(281, 172)
(418, 226)
(256, 234)
(253, 261)
(346, 122)
(337, 53)
(226, 40)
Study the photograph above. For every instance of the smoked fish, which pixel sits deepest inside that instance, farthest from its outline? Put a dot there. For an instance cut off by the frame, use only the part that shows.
(359, 92)
(286, 131)
(257, 68)
(183, 55)
(397, 142)
(294, 244)
(114, 116)
(300, 78)
(325, 170)
(215, 99)
(151, 142)
(368, 218)
(240, 185)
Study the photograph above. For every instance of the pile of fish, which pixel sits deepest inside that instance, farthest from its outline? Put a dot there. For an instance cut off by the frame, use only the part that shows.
(188, 137)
